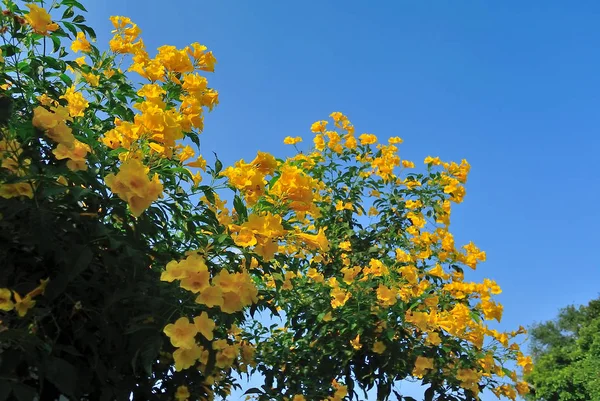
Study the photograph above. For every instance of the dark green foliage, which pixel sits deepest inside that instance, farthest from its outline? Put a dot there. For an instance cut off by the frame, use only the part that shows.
(566, 355)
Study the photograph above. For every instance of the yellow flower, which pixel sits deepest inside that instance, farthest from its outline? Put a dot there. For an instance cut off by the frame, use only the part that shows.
(395, 140)
(75, 152)
(39, 290)
(337, 116)
(296, 187)
(526, 363)
(351, 142)
(186, 357)
(319, 141)
(238, 290)
(196, 280)
(22, 305)
(226, 356)
(174, 271)
(91, 79)
(265, 163)
(211, 297)
(356, 343)
(491, 310)
(133, 185)
(433, 338)
(200, 162)
(367, 139)
(318, 127)
(410, 273)
(182, 333)
(174, 59)
(433, 160)
(376, 268)
(292, 141)
(343, 206)
(205, 325)
(182, 393)
(350, 273)
(469, 379)
(39, 19)
(44, 119)
(6, 304)
(62, 181)
(315, 275)
(77, 103)
(339, 297)
(379, 347)
(522, 388)
(386, 296)
(196, 178)
(327, 317)
(438, 271)
(81, 43)
(194, 84)
(345, 245)
(245, 237)
(17, 189)
(422, 365)
(315, 241)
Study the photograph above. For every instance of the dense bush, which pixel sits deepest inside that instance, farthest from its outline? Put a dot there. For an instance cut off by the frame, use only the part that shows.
(125, 272)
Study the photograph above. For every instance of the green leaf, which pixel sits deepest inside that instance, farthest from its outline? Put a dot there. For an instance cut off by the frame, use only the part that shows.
(194, 138)
(53, 63)
(90, 32)
(74, 3)
(273, 181)
(69, 349)
(56, 43)
(147, 354)
(71, 28)
(9, 50)
(23, 392)
(218, 165)
(59, 285)
(63, 375)
(222, 238)
(239, 207)
(429, 393)
(54, 190)
(66, 79)
(68, 13)
(5, 389)
(79, 19)
(210, 194)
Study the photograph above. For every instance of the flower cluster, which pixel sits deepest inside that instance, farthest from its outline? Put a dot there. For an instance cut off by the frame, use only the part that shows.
(162, 122)
(225, 291)
(11, 159)
(52, 121)
(11, 300)
(414, 278)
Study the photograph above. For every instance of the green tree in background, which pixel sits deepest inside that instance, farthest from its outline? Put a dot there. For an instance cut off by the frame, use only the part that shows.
(566, 354)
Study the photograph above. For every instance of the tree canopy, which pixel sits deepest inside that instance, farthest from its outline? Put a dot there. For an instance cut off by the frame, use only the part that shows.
(566, 354)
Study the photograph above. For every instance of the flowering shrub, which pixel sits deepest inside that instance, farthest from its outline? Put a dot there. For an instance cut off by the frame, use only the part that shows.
(125, 275)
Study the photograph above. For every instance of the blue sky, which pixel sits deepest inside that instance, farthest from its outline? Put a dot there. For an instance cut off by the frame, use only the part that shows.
(513, 87)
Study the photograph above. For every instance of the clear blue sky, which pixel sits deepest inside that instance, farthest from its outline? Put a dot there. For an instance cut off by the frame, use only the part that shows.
(511, 86)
